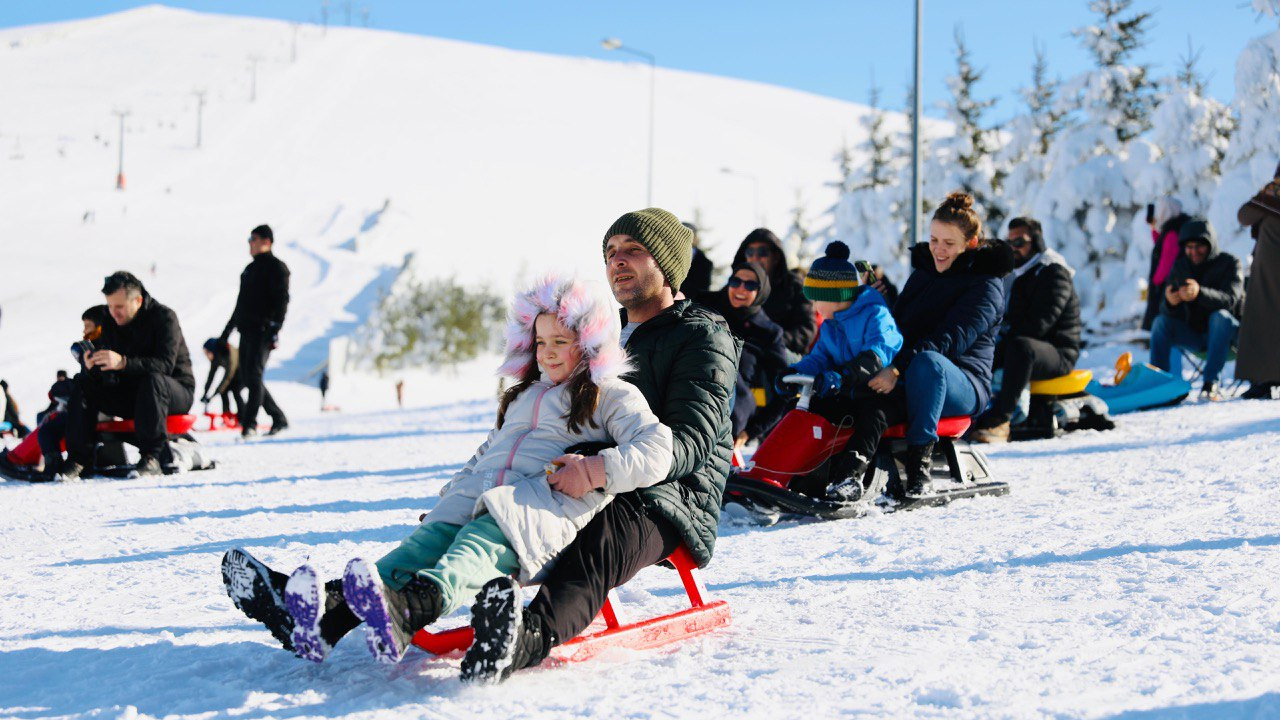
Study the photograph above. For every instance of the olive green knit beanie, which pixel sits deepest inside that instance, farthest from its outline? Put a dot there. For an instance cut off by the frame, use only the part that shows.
(660, 232)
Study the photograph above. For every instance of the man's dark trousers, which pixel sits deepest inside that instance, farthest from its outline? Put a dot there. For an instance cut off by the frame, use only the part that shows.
(147, 399)
(616, 544)
(255, 348)
(1023, 360)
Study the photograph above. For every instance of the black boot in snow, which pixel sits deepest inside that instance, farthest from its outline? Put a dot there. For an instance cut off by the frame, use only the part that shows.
(847, 472)
(507, 636)
(392, 616)
(148, 466)
(918, 461)
(258, 591)
(320, 614)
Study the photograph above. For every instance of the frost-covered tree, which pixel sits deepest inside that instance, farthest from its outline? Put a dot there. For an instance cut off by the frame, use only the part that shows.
(1028, 138)
(973, 146)
(1254, 151)
(798, 233)
(1089, 201)
(1191, 133)
(869, 214)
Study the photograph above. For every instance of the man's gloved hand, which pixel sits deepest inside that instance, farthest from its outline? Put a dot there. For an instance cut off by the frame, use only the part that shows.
(827, 383)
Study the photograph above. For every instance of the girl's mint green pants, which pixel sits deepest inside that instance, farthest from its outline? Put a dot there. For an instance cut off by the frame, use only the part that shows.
(460, 559)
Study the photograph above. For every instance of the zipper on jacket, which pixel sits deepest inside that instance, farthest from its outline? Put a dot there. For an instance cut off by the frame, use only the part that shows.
(537, 405)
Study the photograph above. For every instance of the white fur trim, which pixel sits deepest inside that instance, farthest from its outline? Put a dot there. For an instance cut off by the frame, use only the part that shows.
(580, 309)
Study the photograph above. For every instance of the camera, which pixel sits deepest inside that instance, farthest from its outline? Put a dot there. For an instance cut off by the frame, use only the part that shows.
(1151, 213)
(81, 349)
(865, 269)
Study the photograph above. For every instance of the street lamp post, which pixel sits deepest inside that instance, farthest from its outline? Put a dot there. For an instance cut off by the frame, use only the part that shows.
(916, 176)
(755, 190)
(616, 44)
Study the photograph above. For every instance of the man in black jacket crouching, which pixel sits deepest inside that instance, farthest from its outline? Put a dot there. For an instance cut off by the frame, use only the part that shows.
(1041, 333)
(138, 369)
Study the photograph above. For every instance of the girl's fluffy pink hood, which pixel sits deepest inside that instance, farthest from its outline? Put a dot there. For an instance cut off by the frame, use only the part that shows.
(578, 309)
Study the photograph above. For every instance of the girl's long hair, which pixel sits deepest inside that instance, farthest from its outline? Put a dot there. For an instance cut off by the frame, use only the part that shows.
(584, 395)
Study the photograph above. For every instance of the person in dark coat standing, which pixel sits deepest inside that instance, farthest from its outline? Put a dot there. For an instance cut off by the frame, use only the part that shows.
(763, 352)
(1041, 337)
(700, 268)
(259, 315)
(1166, 221)
(787, 306)
(140, 370)
(1258, 359)
(1202, 303)
(948, 313)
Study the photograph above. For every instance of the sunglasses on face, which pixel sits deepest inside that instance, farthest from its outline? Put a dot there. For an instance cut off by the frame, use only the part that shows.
(1019, 242)
(748, 285)
(756, 252)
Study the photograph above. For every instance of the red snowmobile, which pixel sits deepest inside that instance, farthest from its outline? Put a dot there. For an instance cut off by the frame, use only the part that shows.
(796, 454)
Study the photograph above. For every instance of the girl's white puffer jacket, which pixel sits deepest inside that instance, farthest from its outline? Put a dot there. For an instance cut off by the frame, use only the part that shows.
(507, 477)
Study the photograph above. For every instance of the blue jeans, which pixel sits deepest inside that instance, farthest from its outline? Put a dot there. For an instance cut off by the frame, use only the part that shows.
(1169, 332)
(936, 388)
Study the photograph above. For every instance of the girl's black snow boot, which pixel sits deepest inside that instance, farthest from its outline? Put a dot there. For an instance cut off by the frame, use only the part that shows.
(392, 616)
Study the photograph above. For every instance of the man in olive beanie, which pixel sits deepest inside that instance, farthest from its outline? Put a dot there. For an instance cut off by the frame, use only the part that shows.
(662, 234)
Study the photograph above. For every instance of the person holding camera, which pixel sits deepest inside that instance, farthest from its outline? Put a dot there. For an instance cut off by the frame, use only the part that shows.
(259, 315)
(1202, 304)
(1040, 335)
(138, 369)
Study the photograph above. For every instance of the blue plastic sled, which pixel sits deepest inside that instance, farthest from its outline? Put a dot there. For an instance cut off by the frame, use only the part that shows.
(1139, 387)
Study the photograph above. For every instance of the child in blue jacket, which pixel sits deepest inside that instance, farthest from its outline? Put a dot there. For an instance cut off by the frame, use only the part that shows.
(858, 338)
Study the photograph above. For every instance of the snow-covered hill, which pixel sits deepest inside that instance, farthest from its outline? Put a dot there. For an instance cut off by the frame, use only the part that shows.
(489, 162)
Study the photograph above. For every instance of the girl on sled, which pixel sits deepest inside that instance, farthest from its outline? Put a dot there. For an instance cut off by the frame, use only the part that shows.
(511, 509)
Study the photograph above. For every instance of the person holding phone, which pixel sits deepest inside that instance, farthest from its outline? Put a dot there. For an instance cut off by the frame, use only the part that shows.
(1165, 218)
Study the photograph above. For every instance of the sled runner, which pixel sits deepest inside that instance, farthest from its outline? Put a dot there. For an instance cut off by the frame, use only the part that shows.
(1061, 405)
(1139, 387)
(610, 630)
(801, 445)
(220, 421)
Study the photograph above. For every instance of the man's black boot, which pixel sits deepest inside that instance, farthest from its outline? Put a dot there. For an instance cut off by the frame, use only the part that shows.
(918, 461)
(148, 466)
(258, 592)
(507, 636)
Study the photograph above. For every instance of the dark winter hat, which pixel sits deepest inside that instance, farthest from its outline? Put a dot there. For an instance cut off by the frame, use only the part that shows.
(761, 276)
(832, 277)
(264, 232)
(661, 233)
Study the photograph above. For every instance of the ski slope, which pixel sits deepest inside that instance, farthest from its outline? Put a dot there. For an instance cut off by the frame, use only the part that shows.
(1128, 573)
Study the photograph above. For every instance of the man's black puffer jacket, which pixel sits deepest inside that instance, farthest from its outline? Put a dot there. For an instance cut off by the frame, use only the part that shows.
(686, 363)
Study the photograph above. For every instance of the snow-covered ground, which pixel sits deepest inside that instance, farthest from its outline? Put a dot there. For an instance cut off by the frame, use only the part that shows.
(1130, 572)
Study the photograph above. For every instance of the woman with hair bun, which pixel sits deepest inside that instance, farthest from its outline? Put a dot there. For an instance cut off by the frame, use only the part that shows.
(948, 313)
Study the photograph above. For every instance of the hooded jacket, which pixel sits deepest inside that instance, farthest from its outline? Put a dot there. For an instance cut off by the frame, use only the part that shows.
(151, 343)
(506, 477)
(956, 313)
(764, 352)
(787, 306)
(1220, 277)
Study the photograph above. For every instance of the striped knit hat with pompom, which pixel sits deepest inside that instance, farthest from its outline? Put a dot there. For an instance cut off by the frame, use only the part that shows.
(579, 309)
(832, 277)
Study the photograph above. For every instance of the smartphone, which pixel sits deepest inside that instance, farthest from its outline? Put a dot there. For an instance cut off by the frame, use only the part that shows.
(864, 268)
(1151, 213)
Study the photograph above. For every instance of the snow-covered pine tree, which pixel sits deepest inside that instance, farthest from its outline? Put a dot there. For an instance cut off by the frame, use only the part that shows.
(973, 146)
(1089, 200)
(1028, 138)
(1255, 146)
(1191, 132)
(796, 240)
(868, 214)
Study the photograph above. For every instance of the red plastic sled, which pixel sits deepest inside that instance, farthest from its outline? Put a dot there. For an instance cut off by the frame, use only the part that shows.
(609, 631)
(174, 425)
(221, 421)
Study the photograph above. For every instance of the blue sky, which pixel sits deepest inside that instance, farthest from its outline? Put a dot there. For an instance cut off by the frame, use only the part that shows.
(828, 47)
